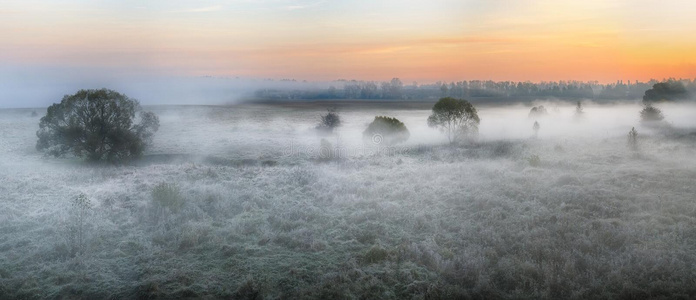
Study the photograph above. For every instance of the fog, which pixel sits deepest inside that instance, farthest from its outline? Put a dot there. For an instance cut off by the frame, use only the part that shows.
(263, 216)
(27, 87)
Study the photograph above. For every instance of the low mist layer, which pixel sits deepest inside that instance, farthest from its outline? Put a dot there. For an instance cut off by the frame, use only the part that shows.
(232, 202)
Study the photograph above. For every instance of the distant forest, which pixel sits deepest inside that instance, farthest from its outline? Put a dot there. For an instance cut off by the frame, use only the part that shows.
(501, 91)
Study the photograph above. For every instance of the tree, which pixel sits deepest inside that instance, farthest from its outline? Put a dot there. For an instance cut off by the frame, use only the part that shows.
(386, 130)
(98, 125)
(536, 128)
(579, 113)
(456, 117)
(651, 113)
(666, 91)
(329, 121)
(633, 138)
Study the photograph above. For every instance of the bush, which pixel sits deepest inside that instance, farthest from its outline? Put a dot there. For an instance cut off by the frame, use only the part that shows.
(534, 160)
(633, 138)
(167, 197)
(386, 130)
(375, 255)
(651, 114)
(579, 113)
(96, 124)
(329, 121)
(249, 290)
(77, 228)
(538, 111)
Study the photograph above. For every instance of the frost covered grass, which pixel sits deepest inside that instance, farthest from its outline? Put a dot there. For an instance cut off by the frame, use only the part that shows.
(590, 218)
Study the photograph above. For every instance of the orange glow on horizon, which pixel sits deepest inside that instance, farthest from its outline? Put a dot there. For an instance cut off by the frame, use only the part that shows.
(539, 41)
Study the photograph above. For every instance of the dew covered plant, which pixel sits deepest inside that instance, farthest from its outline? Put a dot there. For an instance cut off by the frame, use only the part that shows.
(78, 224)
(167, 198)
(386, 130)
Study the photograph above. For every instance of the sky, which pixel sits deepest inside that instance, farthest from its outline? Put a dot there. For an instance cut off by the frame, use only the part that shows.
(64, 43)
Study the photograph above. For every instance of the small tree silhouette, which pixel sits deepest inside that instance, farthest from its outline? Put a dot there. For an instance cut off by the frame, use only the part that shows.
(536, 128)
(633, 138)
(579, 113)
(329, 121)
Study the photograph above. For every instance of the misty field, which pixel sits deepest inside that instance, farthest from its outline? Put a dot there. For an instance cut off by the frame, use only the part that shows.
(234, 202)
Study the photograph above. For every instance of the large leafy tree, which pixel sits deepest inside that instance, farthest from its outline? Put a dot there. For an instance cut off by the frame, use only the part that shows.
(456, 117)
(98, 125)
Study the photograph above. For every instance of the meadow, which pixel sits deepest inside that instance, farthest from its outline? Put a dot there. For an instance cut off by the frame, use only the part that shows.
(233, 202)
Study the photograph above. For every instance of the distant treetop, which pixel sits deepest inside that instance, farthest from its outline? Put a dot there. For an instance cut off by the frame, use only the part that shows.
(669, 90)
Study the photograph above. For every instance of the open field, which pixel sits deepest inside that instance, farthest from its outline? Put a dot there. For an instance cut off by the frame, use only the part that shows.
(259, 216)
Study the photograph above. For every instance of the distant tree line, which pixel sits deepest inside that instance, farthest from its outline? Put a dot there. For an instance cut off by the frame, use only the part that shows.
(395, 89)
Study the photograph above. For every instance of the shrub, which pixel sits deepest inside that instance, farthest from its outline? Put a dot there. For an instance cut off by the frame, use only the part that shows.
(249, 290)
(579, 113)
(633, 138)
(386, 130)
(376, 254)
(534, 160)
(77, 228)
(96, 124)
(538, 111)
(167, 197)
(329, 121)
(651, 114)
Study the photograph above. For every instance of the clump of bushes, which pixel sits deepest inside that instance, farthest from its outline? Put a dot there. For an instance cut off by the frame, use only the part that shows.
(534, 160)
(537, 111)
(651, 114)
(376, 254)
(386, 131)
(166, 197)
(329, 122)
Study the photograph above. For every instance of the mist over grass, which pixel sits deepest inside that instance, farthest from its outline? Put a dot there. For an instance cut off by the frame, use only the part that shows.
(261, 216)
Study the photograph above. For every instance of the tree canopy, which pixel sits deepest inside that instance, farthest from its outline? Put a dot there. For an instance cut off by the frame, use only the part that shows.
(329, 121)
(96, 124)
(456, 117)
(651, 113)
(386, 130)
(538, 111)
(666, 91)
